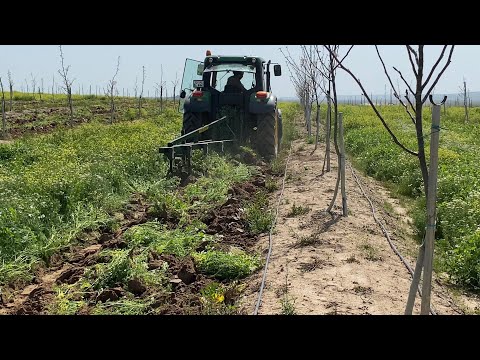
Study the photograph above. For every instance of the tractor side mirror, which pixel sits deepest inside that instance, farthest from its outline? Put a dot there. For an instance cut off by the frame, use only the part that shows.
(277, 70)
(200, 69)
(183, 94)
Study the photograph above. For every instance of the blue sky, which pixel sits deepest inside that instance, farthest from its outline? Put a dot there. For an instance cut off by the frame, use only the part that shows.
(95, 64)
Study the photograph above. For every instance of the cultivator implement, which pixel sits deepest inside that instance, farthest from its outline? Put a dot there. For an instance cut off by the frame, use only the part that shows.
(181, 148)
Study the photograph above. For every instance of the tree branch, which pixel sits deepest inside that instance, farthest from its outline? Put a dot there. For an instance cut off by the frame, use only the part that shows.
(397, 96)
(405, 81)
(341, 61)
(449, 60)
(394, 138)
(434, 67)
(409, 50)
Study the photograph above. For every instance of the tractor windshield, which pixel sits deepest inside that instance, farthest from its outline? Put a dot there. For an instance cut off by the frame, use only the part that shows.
(221, 73)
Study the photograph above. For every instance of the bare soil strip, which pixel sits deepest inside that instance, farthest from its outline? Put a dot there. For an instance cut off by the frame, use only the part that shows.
(329, 264)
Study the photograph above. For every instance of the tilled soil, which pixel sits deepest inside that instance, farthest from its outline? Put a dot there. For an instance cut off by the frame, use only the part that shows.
(329, 264)
(226, 220)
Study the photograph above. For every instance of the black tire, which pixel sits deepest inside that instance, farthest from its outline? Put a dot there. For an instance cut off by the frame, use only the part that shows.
(267, 135)
(191, 122)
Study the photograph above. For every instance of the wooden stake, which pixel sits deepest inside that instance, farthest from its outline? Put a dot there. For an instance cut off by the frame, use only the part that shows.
(342, 164)
(431, 211)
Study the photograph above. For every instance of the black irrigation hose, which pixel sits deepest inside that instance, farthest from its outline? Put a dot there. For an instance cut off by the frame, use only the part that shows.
(410, 270)
(272, 226)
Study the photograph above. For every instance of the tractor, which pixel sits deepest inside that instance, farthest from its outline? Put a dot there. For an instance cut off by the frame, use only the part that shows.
(216, 113)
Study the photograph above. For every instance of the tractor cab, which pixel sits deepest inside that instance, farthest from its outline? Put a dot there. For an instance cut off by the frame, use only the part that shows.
(228, 99)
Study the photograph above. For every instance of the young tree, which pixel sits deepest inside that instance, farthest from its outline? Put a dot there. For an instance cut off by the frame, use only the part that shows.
(420, 93)
(300, 79)
(34, 84)
(67, 83)
(174, 83)
(312, 59)
(10, 85)
(333, 64)
(141, 92)
(111, 92)
(53, 88)
(4, 120)
(464, 96)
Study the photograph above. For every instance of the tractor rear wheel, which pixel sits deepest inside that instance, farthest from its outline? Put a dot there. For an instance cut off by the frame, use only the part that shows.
(267, 135)
(191, 122)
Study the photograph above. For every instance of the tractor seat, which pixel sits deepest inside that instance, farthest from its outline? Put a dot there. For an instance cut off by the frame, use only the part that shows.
(230, 89)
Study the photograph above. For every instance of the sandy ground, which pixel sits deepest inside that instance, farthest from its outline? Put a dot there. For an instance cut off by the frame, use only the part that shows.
(324, 264)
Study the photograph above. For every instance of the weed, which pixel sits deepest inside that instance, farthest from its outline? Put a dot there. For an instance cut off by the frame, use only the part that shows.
(310, 240)
(287, 302)
(259, 217)
(271, 184)
(224, 265)
(298, 210)
(369, 252)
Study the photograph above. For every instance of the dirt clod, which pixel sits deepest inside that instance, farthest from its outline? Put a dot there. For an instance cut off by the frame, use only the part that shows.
(136, 287)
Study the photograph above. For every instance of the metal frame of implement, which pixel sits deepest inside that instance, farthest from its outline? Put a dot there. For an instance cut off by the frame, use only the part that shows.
(178, 149)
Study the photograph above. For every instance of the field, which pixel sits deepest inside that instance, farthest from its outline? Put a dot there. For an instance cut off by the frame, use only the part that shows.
(89, 222)
(458, 195)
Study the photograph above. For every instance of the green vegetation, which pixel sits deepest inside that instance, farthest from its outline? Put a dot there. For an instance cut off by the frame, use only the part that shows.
(259, 216)
(369, 252)
(230, 266)
(298, 210)
(56, 188)
(458, 196)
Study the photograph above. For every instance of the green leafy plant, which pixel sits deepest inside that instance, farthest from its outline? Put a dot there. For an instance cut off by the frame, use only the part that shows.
(224, 265)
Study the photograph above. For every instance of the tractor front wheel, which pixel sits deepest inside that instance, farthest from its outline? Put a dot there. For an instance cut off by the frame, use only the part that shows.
(267, 135)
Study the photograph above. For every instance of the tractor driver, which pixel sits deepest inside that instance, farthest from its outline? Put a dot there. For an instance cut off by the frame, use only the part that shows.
(234, 81)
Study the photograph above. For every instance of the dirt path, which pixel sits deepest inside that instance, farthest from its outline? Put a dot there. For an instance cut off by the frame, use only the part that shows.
(334, 265)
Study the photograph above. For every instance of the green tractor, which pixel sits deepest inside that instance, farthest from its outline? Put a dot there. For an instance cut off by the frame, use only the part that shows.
(251, 113)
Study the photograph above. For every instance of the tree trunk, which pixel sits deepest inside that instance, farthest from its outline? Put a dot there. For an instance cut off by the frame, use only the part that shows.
(139, 105)
(161, 99)
(329, 129)
(70, 105)
(11, 98)
(317, 122)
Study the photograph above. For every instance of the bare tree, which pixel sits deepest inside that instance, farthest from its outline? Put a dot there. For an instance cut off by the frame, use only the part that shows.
(334, 63)
(141, 92)
(53, 88)
(174, 83)
(111, 87)
(26, 83)
(315, 80)
(416, 58)
(67, 83)
(414, 110)
(41, 82)
(4, 120)
(34, 84)
(162, 84)
(10, 85)
(464, 96)
(314, 67)
(300, 79)
(135, 89)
